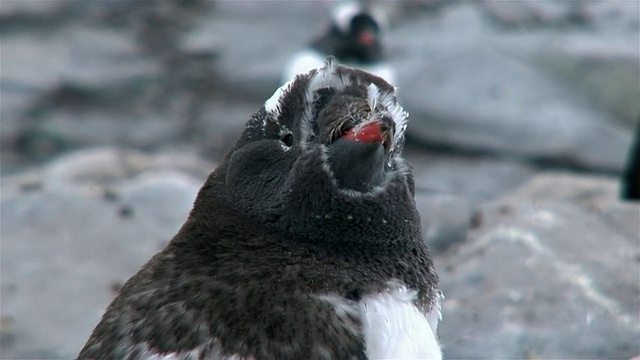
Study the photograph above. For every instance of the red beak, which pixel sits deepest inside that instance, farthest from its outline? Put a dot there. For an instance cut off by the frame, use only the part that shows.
(375, 130)
(366, 37)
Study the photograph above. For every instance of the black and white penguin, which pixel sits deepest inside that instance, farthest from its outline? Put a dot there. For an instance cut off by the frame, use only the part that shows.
(630, 180)
(305, 242)
(355, 37)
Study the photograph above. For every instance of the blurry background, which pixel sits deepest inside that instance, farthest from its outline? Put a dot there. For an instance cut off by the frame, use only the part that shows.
(521, 116)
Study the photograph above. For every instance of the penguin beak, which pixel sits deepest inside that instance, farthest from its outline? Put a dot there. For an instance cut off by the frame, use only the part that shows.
(377, 129)
(356, 158)
(366, 37)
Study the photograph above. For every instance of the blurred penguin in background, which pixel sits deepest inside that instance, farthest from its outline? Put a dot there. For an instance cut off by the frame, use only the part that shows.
(355, 37)
(630, 185)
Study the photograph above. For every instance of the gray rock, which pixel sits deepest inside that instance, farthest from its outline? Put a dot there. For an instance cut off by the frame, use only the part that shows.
(604, 69)
(83, 55)
(464, 86)
(101, 77)
(596, 195)
(100, 127)
(600, 60)
(75, 66)
(475, 179)
(450, 188)
(12, 8)
(591, 45)
(73, 232)
(536, 13)
(254, 52)
(550, 244)
(446, 219)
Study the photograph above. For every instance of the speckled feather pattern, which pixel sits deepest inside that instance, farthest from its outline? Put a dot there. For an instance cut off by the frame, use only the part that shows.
(276, 261)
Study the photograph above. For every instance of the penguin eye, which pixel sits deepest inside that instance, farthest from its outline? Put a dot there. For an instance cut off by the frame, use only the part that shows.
(287, 139)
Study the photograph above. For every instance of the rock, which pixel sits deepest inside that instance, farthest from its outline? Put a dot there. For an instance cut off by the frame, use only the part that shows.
(78, 54)
(549, 244)
(18, 8)
(614, 16)
(601, 61)
(254, 52)
(445, 218)
(67, 242)
(536, 13)
(450, 188)
(473, 178)
(72, 69)
(104, 166)
(596, 195)
(604, 72)
(110, 67)
(468, 86)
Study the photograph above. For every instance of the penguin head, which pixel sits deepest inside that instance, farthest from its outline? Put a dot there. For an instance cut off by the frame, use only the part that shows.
(325, 147)
(360, 32)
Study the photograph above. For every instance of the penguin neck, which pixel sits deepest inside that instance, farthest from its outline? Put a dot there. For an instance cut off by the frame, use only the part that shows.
(324, 212)
(309, 205)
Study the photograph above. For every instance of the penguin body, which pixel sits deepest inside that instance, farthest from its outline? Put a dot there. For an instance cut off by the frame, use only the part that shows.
(630, 179)
(354, 38)
(309, 58)
(284, 258)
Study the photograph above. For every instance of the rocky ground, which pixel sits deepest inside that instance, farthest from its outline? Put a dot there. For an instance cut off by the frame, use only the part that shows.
(113, 113)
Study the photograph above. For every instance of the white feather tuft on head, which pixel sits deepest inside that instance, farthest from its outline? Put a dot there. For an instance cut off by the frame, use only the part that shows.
(272, 105)
(329, 76)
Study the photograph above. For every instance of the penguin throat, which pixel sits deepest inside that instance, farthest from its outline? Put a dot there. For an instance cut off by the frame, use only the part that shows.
(357, 165)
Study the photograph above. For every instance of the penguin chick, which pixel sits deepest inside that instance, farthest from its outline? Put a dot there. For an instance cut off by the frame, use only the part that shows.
(304, 243)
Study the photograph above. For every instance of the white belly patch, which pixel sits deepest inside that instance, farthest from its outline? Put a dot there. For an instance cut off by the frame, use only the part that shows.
(394, 328)
(308, 59)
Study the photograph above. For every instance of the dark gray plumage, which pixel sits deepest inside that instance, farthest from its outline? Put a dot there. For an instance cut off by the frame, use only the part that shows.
(286, 253)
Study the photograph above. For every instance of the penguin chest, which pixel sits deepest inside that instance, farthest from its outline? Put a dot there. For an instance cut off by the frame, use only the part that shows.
(394, 328)
(308, 59)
